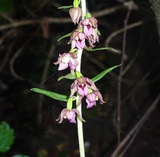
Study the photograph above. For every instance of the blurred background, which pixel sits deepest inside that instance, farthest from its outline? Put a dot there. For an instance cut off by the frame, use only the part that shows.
(29, 31)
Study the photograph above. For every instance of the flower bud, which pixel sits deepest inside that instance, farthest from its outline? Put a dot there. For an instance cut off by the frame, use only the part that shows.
(75, 14)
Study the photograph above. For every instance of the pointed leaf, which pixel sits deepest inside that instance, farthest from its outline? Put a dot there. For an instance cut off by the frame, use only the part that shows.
(65, 36)
(68, 76)
(103, 73)
(102, 48)
(50, 94)
(65, 7)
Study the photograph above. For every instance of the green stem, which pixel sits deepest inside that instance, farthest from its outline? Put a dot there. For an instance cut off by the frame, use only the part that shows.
(79, 108)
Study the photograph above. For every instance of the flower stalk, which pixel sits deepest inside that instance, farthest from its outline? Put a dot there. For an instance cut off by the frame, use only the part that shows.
(79, 107)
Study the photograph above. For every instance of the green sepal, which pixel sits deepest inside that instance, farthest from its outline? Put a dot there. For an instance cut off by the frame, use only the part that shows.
(87, 15)
(76, 3)
(101, 49)
(65, 36)
(6, 137)
(68, 76)
(103, 73)
(78, 74)
(65, 7)
(50, 94)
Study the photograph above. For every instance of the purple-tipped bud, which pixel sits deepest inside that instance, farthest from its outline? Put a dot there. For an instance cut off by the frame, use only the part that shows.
(75, 14)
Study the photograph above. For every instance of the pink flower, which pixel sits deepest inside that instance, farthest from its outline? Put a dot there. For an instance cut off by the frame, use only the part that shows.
(80, 40)
(66, 60)
(93, 97)
(90, 29)
(75, 14)
(70, 115)
(93, 38)
(82, 85)
(77, 39)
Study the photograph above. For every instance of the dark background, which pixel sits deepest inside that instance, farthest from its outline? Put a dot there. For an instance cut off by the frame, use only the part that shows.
(29, 31)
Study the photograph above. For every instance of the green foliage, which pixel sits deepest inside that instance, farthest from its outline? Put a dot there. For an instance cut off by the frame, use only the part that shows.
(18, 155)
(50, 94)
(68, 76)
(65, 36)
(101, 48)
(6, 137)
(103, 73)
(6, 5)
(65, 7)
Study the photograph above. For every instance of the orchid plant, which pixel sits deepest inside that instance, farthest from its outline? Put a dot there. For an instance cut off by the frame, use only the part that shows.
(85, 36)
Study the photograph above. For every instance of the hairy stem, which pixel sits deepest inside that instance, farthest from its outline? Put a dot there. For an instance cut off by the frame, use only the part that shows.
(79, 108)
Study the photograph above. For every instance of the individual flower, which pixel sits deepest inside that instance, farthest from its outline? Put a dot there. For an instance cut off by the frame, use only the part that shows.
(93, 38)
(92, 97)
(77, 39)
(82, 85)
(66, 60)
(75, 14)
(69, 114)
(90, 29)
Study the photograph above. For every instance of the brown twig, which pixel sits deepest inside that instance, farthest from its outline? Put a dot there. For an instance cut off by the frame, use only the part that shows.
(16, 55)
(136, 127)
(101, 13)
(120, 78)
(130, 26)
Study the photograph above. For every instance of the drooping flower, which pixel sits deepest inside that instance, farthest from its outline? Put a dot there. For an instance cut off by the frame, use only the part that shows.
(69, 114)
(77, 39)
(90, 29)
(66, 60)
(92, 97)
(75, 14)
(82, 85)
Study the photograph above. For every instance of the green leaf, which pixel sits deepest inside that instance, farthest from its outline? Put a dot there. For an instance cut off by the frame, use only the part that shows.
(68, 76)
(102, 48)
(50, 94)
(19, 155)
(103, 73)
(6, 137)
(65, 7)
(65, 36)
(6, 5)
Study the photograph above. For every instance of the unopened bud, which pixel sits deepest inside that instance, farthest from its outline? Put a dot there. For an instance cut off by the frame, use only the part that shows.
(75, 14)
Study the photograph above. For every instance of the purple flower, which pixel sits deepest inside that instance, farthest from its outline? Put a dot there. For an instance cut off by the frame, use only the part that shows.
(80, 40)
(77, 39)
(93, 38)
(90, 29)
(82, 85)
(93, 97)
(75, 14)
(66, 60)
(70, 115)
